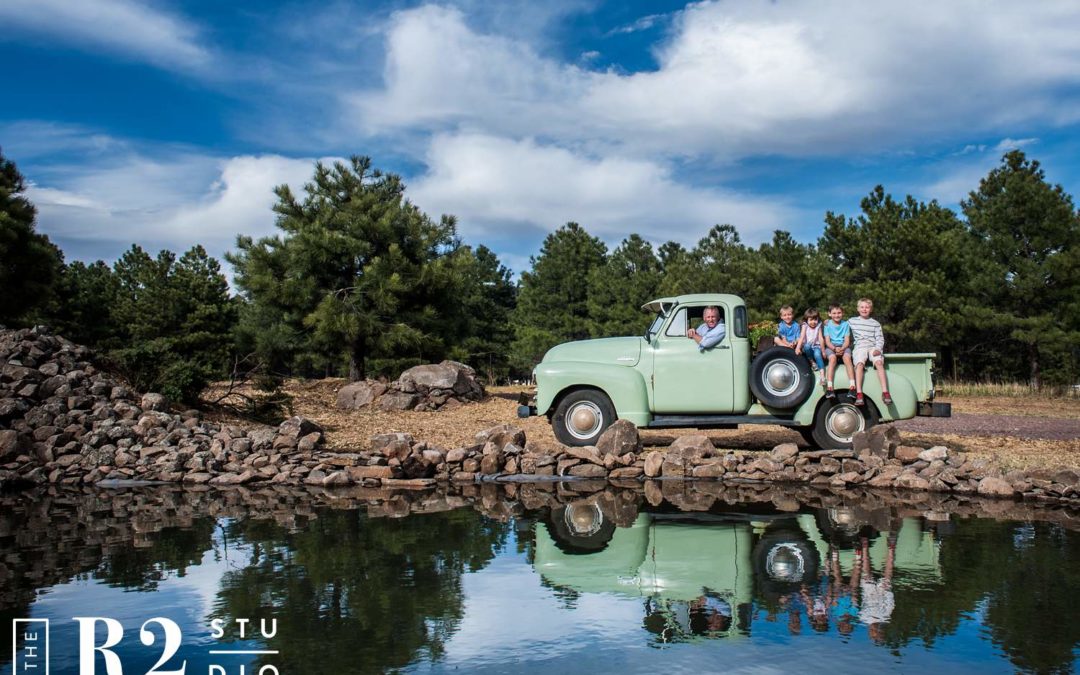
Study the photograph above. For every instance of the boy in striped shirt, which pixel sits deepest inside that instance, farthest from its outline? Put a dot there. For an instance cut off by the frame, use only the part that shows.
(869, 342)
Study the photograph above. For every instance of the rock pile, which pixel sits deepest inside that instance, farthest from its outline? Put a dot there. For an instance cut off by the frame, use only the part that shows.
(503, 454)
(424, 388)
(63, 420)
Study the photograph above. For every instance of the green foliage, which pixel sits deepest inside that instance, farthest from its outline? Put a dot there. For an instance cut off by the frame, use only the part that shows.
(1029, 233)
(173, 321)
(912, 259)
(553, 303)
(616, 290)
(359, 273)
(338, 584)
(29, 263)
(485, 301)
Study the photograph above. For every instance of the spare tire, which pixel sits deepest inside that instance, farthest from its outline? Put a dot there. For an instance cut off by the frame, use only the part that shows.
(780, 378)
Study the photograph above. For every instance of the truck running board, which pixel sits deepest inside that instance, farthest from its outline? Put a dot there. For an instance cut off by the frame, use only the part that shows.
(717, 421)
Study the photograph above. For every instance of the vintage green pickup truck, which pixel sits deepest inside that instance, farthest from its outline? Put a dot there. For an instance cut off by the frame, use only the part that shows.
(662, 380)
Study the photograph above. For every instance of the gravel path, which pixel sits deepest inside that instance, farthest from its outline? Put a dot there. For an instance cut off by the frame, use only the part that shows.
(1050, 428)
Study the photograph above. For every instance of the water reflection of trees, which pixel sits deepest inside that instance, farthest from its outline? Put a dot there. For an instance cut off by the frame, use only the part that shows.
(354, 593)
(357, 594)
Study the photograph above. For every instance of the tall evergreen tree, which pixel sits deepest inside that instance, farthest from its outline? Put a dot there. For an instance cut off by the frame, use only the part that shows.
(553, 300)
(175, 321)
(359, 273)
(912, 259)
(630, 276)
(84, 312)
(486, 298)
(1029, 232)
(29, 263)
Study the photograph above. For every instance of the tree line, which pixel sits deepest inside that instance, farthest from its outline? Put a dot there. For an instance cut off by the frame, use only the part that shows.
(360, 282)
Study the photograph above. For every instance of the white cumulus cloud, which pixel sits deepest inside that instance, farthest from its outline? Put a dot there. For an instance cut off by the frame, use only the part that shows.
(494, 184)
(122, 26)
(750, 78)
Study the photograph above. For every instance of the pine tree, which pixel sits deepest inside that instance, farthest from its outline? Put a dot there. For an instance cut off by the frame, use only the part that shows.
(358, 273)
(617, 289)
(1029, 232)
(29, 263)
(553, 300)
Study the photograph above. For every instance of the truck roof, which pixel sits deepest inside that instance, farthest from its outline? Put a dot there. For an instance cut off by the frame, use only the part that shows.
(693, 298)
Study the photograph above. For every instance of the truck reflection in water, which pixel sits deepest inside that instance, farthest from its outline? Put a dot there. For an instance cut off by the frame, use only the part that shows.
(710, 575)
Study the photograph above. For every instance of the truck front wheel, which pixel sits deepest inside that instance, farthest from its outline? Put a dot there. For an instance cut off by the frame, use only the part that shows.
(582, 416)
(836, 423)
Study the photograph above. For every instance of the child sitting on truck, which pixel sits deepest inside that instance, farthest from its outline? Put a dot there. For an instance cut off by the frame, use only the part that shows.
(837, 340)
(810, 341)
(869, 343)
(787, 331)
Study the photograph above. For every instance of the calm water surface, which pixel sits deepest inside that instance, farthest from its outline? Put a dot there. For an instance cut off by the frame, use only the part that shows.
(546, 578)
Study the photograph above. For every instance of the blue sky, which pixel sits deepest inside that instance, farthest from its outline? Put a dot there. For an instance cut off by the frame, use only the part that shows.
(167, 123)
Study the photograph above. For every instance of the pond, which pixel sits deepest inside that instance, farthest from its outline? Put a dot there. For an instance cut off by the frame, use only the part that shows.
(581, 577)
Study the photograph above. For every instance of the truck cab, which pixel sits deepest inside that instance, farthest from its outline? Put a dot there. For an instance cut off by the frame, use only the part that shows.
(663, 379)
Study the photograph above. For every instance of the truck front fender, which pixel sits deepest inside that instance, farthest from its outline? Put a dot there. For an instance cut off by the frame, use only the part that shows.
(624, 386)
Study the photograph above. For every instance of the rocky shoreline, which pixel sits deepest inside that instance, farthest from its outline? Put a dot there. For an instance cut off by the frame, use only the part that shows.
(64, 421)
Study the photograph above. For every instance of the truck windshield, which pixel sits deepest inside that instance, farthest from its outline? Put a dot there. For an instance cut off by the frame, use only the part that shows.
(654, 327)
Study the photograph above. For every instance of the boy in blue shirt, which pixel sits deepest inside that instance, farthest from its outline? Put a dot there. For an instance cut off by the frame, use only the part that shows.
(787, 331)
(838, 344)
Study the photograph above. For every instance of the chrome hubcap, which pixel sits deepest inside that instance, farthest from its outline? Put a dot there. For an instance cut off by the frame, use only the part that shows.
(781, 377)
(844, 421)
(583, 519)
(785, 563)
(584, 419)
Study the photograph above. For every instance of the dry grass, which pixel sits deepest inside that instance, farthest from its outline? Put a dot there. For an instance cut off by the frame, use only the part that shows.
(351, 430)
(1006, 390)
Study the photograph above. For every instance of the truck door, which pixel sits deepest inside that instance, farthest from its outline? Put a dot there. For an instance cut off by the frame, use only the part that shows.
(686, 379)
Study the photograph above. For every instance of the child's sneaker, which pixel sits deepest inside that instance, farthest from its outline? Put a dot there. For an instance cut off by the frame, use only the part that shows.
(859, 400)
(830, 393)
(851, 393)
(886, 398)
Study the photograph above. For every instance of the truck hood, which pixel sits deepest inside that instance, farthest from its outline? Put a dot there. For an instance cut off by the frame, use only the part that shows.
(620, 351)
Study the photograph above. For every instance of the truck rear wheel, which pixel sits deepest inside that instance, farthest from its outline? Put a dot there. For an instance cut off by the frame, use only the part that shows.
(836, 423)
(582, 416)
(780, 378)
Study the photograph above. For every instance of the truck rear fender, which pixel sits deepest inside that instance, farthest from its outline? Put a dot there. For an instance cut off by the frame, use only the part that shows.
(624, 386)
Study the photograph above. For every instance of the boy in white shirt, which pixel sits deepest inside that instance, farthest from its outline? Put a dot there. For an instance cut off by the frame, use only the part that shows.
(869, 342)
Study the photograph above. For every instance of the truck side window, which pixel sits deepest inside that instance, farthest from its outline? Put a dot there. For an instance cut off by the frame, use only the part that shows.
(677, 327)
(740, 322)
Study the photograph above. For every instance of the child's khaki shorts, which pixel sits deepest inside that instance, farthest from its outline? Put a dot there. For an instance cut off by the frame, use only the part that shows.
(862, 355)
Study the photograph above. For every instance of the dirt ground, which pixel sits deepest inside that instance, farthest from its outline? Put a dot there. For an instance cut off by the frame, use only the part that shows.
(1014, 433)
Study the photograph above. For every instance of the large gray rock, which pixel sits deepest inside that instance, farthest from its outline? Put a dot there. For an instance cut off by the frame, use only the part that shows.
(620, 438)
(446, 375)
(359, 394)
(154, 401)
(398, 400)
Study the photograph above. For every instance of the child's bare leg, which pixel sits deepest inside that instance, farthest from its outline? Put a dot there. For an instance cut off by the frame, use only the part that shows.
(849, 369)
(830, 370)
(880, 367)
(860, 370)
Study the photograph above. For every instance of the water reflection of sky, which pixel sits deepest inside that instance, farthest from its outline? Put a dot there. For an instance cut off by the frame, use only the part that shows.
(504, 616)
(513, 623)
(187, 599)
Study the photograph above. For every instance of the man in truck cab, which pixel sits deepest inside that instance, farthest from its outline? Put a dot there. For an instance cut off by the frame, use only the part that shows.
(710, 333)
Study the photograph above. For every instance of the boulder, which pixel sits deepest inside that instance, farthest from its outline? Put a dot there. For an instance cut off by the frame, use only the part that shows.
(783, 453)
(359, 394)
(152, 401)
(297, 427)
(938, 452)
(654, 461)
(693, 447)
(992, 486)
(620, 438)
(9, 443)
(501, 436)
(398, 400)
